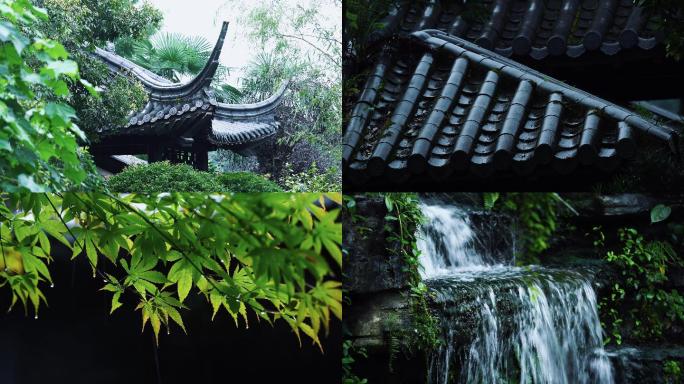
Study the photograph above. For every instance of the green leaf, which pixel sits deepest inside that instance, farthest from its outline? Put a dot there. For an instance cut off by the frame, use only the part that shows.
(660, 213)
(388, 203)
(184, 283)
(28, 182)
(91, 253)
(490, 199)
(176, 317)
(115, 301)
(216, 300)
(63, 67)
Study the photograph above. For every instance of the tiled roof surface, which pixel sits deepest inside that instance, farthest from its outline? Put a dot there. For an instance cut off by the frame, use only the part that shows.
(537, 28)
(236, 125)
(173, 109)
(440, 105)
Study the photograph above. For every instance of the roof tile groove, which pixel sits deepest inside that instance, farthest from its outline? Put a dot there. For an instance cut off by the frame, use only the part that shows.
(451, 106)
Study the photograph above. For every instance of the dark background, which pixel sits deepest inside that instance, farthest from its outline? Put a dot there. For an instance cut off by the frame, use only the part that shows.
(75, 340)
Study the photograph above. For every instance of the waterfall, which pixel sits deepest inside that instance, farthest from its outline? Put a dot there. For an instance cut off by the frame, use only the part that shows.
(446, 241)
(503, 323)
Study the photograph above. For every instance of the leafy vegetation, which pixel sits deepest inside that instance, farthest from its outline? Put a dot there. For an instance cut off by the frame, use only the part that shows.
(311, 180)
(670, 19)
(537, 217)
(640, 299)
(274, 255)
(38, 136)
(82, 25)
(348, 359)
(673, 372)
(404, 214)
(299, 43)
(164, 177)
(250, 182)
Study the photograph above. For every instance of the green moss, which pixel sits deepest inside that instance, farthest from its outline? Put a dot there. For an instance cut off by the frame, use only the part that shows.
(165, 177)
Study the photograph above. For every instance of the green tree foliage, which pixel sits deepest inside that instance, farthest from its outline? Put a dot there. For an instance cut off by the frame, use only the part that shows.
(172, 55)
(38, 137)
(269, 254)
(165, 177)
(311, 180)
(670, 19)
(81, 25)
(300, 44)
(362, 19)
(89, 23)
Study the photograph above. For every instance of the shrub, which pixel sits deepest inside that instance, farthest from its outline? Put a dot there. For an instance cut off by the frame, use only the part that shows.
(247, 182)
(165, 177)
(312, 180)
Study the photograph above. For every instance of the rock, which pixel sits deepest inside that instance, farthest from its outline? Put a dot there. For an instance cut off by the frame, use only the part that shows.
(495, 234)
(626, 204)
(371, 315)
(642, 365)
(371, 263)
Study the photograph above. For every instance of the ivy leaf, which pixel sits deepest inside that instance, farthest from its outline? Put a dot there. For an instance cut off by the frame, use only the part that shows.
(388, 203)
(63, 67)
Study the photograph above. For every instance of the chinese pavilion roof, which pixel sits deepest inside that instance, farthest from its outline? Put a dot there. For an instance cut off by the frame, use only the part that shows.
(189, 111)
(436, 105)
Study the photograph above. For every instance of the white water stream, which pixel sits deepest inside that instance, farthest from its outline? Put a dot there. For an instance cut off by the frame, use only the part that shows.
(506, 324)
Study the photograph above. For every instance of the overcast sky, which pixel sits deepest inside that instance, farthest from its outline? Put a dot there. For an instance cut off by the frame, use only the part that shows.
(204, 18)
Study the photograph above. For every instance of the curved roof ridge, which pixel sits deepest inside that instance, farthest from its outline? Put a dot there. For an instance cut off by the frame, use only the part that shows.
(141, 73)
(161, 89)
(263, 107)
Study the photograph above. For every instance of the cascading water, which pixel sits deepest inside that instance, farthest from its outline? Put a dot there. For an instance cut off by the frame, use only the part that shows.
(506, 324)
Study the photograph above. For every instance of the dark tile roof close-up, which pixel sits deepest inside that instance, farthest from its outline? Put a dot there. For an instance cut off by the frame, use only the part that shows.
(538, 28)
(436, 105)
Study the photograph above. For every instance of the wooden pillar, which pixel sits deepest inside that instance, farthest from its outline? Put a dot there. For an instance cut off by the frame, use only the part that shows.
(155, 153)
(201, 158)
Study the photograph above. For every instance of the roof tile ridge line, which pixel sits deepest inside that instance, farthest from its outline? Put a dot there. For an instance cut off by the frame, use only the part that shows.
(207, 72)
(172, 91)
(543, 81)
(258, 108)
(144, 75)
